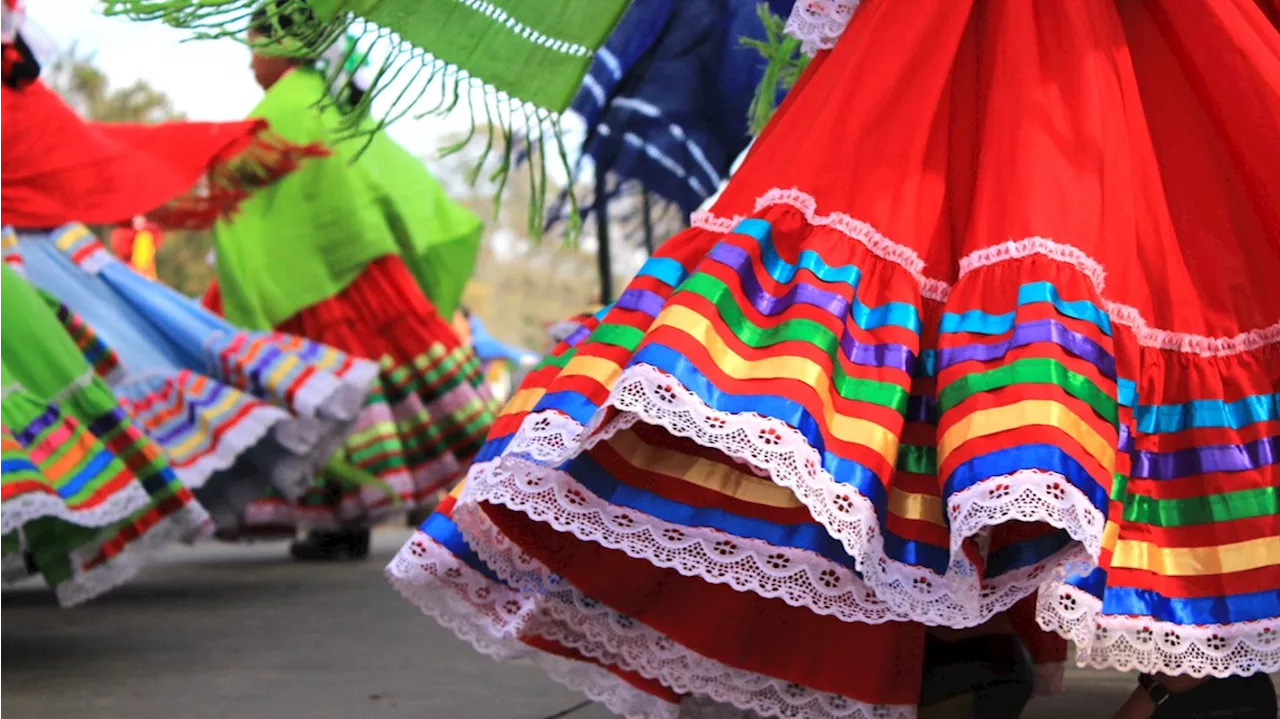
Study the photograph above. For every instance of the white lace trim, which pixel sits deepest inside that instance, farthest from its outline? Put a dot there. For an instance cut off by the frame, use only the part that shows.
(306, 441)
(1018, 249)
(938, 290)
(490, 618)
(1106, 641)
(1034, 496)
(603, 687)
(887, 590)
(818, 24)
(876, 243)
(82, 380)
(233, 443)
(16, 512)
(579, 622)
(187, 524)
(1147, 335)
(800, 579)
(13, 568)
(564, 615)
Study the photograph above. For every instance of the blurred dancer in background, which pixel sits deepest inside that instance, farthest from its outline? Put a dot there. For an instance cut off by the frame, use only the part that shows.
(364, 252)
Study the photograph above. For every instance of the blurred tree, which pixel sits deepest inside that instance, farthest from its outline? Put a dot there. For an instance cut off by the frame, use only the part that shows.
(181, 260)
(79, 80)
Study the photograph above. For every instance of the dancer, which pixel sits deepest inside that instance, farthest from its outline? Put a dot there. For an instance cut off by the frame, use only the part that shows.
(367, 254)
(234, 412)
(986, 306)
(137, 243)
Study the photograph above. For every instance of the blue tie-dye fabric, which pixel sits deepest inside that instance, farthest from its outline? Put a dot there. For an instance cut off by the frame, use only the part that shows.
(666, 100)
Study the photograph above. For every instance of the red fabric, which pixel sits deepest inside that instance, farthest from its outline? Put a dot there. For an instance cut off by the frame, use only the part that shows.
(876, 663)
(1044, 647)
(212, 299)
(123, 240)
(1133, 145)
(382, 313)
(57, 168)
(1141, 133)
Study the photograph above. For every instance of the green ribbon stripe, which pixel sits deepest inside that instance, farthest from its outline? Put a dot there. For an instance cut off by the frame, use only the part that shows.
(1031, 371)
(1191, 511)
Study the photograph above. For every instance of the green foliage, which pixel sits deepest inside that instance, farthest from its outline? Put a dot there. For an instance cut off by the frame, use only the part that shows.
(76, 77)
(785, 63)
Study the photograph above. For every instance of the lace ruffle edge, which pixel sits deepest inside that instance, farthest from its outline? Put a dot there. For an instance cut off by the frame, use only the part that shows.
(424, 571)
(880, 590)
(1142, 644)
(28, 507)
(818, 24)
(187, 524)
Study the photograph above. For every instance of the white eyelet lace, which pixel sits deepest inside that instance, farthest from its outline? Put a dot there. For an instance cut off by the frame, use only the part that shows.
(492, 616)
(887, 590)
(818, 24)
(1140, 643)
(27, 507)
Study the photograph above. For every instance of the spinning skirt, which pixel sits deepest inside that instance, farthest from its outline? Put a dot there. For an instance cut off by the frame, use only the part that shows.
(84, 493)
(418, 430)
(988, 311)
(235, 412)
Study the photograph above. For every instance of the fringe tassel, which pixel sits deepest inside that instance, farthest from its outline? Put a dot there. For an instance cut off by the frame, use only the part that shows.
(231, 179)
(401, 84)
(785, 63)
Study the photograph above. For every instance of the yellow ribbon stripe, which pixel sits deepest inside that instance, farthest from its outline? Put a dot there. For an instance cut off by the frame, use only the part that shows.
(72, 236)
(853, 430)
(1196, 561)
(912, 505)
(705, 473)
(1027, 413)
(196, 439)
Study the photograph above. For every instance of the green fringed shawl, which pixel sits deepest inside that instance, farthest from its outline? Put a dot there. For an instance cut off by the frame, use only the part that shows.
(305, 238)
(534, 50)
(530, 56)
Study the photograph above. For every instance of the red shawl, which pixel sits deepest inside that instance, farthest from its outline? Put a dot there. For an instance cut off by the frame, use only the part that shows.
(57, 168)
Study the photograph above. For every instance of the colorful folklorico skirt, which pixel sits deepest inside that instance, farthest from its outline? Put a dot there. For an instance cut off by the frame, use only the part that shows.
(85, 495)
(425, 419)
(988, 313)
(235, 412)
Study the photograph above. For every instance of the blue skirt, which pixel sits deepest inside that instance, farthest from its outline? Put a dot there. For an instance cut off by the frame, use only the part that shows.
(235, 411)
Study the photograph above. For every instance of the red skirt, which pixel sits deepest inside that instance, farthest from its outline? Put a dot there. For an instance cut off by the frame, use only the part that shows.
(988, 311)
(421, 426)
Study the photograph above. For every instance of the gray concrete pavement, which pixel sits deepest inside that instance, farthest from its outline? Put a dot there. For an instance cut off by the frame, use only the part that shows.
(221, 632)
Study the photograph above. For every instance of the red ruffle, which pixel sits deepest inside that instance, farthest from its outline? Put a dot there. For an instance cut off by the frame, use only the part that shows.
(382, 313)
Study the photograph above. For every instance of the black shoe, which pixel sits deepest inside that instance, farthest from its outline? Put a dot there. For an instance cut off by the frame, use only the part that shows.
(325, 546)
(1251, 697)
(992, 674)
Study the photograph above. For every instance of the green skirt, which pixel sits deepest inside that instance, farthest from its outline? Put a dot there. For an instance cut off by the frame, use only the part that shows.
(84, 494)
